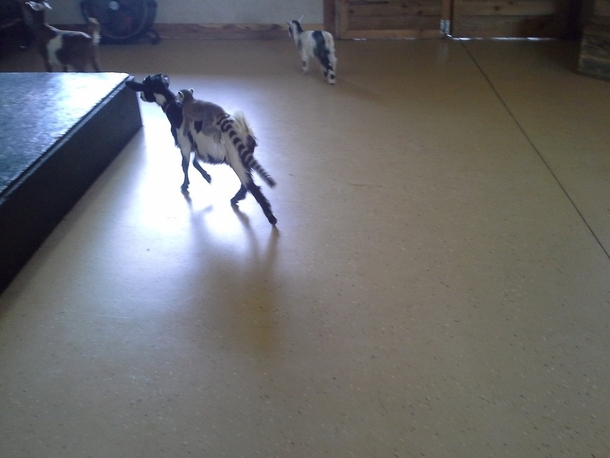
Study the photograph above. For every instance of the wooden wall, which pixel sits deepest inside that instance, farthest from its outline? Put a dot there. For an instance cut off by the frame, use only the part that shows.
(469, 18)
(594, 56)
(601, 10)
(388, 18)
(510, 18)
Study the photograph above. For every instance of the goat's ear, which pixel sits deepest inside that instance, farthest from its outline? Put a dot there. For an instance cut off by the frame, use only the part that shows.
(165, 79)
(192, 91)
(134, 85)
(46, 5)
(35, 6)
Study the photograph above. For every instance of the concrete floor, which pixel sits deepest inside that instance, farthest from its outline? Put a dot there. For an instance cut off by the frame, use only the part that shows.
(438, 284)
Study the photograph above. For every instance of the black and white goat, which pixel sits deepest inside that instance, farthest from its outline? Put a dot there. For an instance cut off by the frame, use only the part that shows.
(67, 48)
(235, 148)
(315, 43)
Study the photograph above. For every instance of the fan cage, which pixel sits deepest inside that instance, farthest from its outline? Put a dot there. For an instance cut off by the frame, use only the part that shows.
(122, 21)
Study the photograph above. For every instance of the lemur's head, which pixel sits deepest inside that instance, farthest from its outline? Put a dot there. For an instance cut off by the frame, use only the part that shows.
(185, 95)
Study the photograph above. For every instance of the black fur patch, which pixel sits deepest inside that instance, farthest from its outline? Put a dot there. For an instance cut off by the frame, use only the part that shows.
(297, 26)
(174, 114)
(320, 49)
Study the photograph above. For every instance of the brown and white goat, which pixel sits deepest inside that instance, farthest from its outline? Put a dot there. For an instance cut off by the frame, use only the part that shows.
(67, 48)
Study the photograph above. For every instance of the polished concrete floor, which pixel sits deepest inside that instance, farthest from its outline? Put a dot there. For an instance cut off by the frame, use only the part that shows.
(438, 284)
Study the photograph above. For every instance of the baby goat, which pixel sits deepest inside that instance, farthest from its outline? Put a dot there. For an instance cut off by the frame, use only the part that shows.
(315, 43)
(67, 48)
(234, 147)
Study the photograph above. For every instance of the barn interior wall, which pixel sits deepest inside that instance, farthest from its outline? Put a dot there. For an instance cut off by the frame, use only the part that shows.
(210, 12)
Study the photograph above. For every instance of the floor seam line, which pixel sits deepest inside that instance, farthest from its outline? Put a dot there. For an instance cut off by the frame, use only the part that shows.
(536, 150)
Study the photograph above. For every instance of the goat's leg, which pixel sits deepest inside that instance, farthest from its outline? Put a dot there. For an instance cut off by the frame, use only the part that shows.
(329, 73)
(198, 167)
(185, 169)
(236, 162)
(95, 64)
(304, 63)
(247, 185)
(326, 63)
(239, 196)
(332, 68)
(262, 201)
(324, 69)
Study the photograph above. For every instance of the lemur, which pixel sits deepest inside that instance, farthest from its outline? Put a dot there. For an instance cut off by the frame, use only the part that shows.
(207, 113)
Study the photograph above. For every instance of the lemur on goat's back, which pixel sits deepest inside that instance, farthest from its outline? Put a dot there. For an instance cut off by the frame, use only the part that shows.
(235, 146)
(207, 113)
(315, 43)
(214, 121)
(67, 48)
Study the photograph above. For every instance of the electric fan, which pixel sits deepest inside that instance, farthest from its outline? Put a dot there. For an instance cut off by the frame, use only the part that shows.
(122, 21)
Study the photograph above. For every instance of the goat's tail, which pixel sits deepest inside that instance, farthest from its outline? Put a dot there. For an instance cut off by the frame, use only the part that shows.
(244, 141)
(94, 30)
(243, 126)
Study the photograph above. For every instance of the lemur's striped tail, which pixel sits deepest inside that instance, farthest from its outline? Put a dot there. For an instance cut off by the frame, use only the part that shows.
(254, 165)
(240, 133)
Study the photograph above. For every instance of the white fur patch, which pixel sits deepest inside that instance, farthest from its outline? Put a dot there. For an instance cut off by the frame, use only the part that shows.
(159, 99)
(52, 46)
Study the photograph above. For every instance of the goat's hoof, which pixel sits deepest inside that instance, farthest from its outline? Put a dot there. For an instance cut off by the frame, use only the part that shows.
(270, 217)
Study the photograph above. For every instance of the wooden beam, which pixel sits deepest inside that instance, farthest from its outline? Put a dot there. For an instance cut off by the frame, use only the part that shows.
(330, 18)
